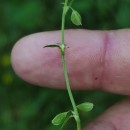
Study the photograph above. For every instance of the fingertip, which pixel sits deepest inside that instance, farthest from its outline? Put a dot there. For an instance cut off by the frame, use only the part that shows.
(32, 62)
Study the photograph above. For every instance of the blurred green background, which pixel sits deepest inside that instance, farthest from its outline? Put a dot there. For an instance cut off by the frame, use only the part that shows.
(27, 107)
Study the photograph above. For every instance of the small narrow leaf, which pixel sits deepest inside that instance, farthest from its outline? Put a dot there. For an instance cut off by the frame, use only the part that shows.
(76, 18)
(51, 46)
(59, 119)
(87, 106)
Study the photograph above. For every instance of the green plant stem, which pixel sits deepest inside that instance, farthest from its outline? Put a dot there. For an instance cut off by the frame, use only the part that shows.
(63, 21)
(76, 114)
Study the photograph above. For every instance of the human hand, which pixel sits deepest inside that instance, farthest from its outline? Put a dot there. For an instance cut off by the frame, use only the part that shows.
(95, 60)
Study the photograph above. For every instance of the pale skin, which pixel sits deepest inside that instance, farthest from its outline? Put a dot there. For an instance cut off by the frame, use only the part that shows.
(95, 60)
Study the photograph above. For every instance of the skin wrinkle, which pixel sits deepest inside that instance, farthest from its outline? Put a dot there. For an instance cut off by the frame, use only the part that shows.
(98, 73)
(117, 64)
(106, 44)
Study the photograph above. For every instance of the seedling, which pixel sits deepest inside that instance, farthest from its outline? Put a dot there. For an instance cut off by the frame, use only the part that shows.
(62, 118)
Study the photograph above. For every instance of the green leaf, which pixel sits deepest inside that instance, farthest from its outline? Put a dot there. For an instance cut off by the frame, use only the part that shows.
(59, 119)
(86, 107)
(51, 46)
(76, 18)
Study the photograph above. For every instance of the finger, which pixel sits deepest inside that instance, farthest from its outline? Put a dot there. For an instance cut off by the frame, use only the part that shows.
(95, 60)
(115, 118)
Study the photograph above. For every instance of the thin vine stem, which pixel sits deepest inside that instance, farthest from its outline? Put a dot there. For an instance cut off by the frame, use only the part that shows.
(76, 114)
(58, 119)
(63, 22)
